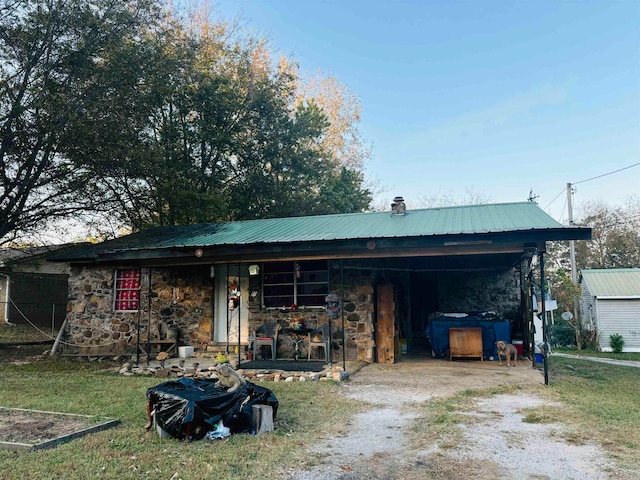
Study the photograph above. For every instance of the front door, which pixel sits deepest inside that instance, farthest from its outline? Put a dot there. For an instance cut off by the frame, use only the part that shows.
(385, 328)
(231, 321)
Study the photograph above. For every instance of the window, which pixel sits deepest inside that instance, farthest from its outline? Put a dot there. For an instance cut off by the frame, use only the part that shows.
(127, 291)
(304, 284)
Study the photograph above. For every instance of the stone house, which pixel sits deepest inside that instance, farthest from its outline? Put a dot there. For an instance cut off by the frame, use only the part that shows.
(377, 278)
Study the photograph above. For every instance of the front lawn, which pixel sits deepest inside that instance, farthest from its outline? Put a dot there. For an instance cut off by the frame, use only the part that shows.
(598, 354)
(308, 410)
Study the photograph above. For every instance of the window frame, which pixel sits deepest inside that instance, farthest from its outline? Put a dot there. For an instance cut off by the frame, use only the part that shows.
(294, 284)
(123, 284)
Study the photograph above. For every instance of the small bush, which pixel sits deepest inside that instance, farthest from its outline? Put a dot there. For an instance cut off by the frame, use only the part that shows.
(616, 342)
(562, 334)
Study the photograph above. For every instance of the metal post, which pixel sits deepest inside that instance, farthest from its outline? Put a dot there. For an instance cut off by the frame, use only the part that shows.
(344, 343)
(545, 328)
(149, 318)
(239, 310)
(53, 318)
(227, 304)
(330, 342)
(572, 245)
(532, 340)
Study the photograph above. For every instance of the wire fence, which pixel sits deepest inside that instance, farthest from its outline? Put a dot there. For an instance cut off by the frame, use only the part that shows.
(42, 317)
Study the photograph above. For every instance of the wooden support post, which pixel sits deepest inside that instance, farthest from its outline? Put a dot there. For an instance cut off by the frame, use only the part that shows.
(262, 418)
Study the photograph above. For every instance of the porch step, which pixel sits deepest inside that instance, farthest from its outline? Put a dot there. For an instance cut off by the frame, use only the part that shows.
(213, 349)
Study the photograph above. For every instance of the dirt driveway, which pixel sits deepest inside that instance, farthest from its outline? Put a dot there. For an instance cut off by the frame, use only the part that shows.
(381, 442)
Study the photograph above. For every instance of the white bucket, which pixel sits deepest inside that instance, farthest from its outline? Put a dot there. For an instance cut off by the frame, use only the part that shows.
(162, 433)
(185, 352)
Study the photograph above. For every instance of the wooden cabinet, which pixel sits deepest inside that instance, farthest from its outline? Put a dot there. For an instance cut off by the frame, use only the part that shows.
(465, 342)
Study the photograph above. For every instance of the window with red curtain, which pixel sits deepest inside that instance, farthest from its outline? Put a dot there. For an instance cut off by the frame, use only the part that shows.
(127, 291)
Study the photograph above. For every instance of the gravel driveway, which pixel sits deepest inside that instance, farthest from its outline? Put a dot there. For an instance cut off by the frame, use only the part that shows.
(496, 444)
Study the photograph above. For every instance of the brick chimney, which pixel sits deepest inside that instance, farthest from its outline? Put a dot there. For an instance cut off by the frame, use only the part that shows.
(398, 207)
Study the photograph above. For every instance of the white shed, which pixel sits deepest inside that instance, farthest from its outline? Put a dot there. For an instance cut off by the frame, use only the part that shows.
(611, 304)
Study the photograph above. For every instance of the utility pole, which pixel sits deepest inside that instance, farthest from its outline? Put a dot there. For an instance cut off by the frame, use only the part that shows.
(572, 257)
(572, 245)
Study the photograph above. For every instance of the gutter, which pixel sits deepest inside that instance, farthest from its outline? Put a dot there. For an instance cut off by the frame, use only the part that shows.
(617, 297)
(6, 299)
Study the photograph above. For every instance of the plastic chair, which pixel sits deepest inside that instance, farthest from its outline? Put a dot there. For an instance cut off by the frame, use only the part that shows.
(266, 335)
(320, 337)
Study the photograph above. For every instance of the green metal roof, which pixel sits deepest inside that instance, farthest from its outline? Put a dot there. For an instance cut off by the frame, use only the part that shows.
(434, 221)
(618, 282)
(446, 221)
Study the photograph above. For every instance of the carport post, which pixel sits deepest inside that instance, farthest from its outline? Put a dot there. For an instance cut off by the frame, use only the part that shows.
(545, 330)
(344, 344)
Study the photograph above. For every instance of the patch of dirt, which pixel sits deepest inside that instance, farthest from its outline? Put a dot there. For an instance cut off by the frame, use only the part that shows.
(31, 427)
(495, 443)
(22, 354)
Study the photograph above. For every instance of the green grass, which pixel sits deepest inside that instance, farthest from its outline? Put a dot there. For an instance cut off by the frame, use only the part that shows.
(24, 333)
(594, 353)
(602, 401)
(597, 402)
(307, 411)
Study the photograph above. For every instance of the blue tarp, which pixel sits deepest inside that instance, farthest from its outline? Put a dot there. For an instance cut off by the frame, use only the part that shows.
(493, 329)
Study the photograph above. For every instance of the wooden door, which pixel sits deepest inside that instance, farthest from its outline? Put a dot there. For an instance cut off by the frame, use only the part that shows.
(385, 328)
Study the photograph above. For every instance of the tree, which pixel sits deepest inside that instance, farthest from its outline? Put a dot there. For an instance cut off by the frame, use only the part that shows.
(225, 139)
(55, 60)
(342, 138)
(615, 241)
(124, 110)
(438, 199)
(615, 244)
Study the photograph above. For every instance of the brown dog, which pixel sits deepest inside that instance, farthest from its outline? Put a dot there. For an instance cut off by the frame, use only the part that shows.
(508, 351)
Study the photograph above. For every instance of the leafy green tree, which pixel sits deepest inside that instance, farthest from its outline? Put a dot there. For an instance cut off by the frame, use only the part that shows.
(225, 140)
(615, 244)
(615, 241)
(125, 111)
(55, 71)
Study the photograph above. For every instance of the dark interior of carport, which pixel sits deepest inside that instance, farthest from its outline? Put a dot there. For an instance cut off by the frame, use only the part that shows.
(418, 284)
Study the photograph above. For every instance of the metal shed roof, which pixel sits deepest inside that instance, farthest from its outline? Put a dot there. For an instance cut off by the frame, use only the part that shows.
(618, 282)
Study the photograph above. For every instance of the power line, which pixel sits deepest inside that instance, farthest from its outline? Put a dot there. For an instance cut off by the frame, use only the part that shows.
(555, 198)
(605, 174)
(563, 207)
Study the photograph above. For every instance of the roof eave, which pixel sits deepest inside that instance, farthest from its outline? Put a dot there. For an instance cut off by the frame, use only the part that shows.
(464, 243)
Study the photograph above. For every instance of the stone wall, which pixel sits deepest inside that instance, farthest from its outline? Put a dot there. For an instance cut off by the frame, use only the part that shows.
(181, 300)
(467, 292)
(92, 325)
(358, 318)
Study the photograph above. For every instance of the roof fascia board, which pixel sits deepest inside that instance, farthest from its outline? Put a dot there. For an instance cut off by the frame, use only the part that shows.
(289, 252)
(398, 242)
(464, 244)
(617, 297)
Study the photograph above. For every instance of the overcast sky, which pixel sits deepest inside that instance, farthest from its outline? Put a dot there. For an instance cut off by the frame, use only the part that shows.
(496, 97)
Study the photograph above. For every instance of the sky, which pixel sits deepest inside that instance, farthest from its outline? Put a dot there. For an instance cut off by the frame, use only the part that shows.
(478, 98)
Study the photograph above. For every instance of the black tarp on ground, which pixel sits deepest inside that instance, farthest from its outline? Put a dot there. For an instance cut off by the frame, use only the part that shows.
(201, 404)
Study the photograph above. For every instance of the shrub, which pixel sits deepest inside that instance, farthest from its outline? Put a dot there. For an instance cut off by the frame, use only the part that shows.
(616, 342)
(562, 334)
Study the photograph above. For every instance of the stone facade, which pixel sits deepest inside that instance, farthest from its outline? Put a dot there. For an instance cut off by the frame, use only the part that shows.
(358, 319)
(179, 302)
(467, 292)
(182, 299)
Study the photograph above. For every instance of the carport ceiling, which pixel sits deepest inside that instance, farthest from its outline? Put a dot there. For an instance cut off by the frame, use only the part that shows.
(453, 263)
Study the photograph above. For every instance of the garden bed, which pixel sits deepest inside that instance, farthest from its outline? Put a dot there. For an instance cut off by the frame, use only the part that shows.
(22, 429)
